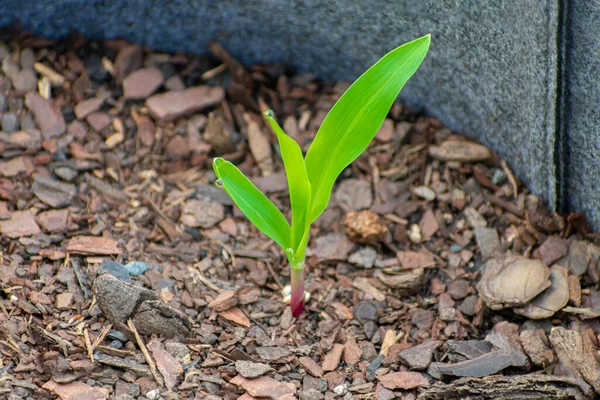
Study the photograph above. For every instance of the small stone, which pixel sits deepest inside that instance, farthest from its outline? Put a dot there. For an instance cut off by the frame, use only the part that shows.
(10, 123)
(403, 282)
(16, 166)
(474, 218)
(429, 225)
(469, 305)
(142, 83)
(512, 281)
(419, 357)
(64, 301)
(332, 247)
(98, 120)
(414, 234)
(446, 310)
(459, 289)
(364, 258)
(174, 84)
(250, 369)
(50, 121)
(26, 81)
(462, 151)
(66, 173)
(3, 103)
(4, 213)
(550, 300)
(171, 105)
(424, 192)
(202, 213)
(27, 58)
(354, 195)
(488, 242)
(115, 269)
(272, 353)
(498, 176)
(135, 268)
(364, 227)
(366, 310)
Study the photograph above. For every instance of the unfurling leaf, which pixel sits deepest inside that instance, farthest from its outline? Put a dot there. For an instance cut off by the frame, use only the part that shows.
(356, 117)
(298, 183)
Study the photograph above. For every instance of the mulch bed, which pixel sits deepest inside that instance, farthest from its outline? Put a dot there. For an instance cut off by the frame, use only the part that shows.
(126, 273)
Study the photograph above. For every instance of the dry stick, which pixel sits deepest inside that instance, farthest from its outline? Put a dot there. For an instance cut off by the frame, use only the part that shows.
(144, 350)
(273, 275)
(88, 345)
(102, 335)
(511, 179)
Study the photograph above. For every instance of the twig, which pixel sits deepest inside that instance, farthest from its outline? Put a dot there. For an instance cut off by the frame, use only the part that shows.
(60, 341)
(274, 275)
(80, 278)
(511, 178)
(102, 335)
(88, 345)
(205, 281)
(144, 350)
(3, 309)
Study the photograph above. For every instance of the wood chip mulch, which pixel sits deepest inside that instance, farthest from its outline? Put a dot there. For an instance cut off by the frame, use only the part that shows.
(126, 273)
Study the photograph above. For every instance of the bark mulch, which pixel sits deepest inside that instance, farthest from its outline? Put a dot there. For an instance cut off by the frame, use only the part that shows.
(126, 273)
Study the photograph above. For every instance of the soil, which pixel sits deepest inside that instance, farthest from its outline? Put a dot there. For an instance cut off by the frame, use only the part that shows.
(126, 273)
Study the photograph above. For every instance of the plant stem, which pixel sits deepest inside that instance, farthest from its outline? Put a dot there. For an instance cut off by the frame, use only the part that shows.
(297, 301)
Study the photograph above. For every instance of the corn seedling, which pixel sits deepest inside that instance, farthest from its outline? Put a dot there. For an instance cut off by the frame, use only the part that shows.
(345, 133)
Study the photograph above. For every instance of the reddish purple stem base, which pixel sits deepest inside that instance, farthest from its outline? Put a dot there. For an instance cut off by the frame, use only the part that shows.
(297, 301)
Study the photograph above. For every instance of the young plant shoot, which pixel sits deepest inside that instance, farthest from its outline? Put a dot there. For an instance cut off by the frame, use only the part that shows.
(345, 133)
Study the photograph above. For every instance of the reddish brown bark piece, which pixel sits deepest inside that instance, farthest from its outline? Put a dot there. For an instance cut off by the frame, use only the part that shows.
(21, 223)
(266, 387)
(332, 359)
(50, 121)
(236, 316)
(76, 391)
(224, 301)
(91, 245)
(312, 367)
(352, 353)
(171, 105)
(403, 380)
(165, 362)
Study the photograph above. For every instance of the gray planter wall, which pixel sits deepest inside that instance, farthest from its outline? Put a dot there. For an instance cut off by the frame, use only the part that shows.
(520, 76)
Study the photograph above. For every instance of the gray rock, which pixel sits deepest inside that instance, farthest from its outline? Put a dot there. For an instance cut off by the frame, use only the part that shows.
(488, 241)
(419, 357)
(3, 103)
(364, 257)
(249, 369)
(10, 123)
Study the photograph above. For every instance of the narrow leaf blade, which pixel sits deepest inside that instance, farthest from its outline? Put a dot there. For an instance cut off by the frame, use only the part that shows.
(356, 117)
(253, 203)
(297, 178)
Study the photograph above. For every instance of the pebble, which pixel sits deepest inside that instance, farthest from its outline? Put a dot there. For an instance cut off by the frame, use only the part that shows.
(364, 257)
(414, 234)
(498, 176)
(27, 58)
(115, 269)
(25, 81)
(424, 192)
(250, 369)
(10, 123)
(354, 195)
(3, 103)
(202, 213)
(366, 310)
(136, 268)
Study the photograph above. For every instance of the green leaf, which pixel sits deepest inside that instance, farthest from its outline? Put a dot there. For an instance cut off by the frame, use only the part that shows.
(356, 117)
(297, 178)
(253, 203)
